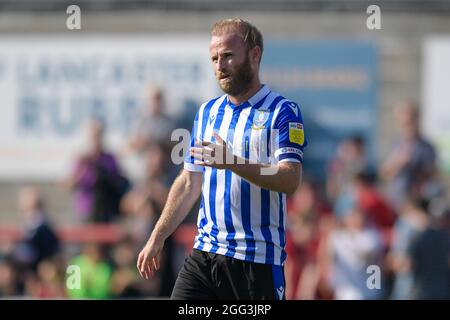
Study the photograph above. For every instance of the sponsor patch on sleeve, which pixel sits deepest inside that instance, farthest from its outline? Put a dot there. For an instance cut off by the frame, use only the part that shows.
(287, 150)
(296, 133)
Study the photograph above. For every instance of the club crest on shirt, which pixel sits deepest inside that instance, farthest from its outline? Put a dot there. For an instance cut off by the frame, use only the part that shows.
(259, 119)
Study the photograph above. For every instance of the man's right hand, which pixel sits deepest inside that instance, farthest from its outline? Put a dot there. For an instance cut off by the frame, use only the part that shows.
(184, 192)
(148, 259)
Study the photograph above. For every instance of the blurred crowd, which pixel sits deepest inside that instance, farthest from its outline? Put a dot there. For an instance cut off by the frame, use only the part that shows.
(41, 264)
(367, 232)
(373, 232)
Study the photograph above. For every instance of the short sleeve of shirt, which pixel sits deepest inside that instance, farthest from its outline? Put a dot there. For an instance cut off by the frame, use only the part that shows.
(289, 135)
(188, 159)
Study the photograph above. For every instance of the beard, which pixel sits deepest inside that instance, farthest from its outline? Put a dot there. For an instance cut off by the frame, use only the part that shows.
(238, 81)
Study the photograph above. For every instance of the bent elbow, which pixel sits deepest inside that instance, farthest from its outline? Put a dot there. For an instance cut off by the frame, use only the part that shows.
(291, 177)
(290, 192)
(291, 189)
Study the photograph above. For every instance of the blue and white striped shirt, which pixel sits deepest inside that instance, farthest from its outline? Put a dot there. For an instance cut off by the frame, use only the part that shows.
(238, 218)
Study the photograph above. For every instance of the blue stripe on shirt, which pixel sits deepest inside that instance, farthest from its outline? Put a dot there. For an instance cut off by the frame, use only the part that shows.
(269, 130)
(213, 184)
(290, 156)
(245, 189)
(205, 116)
(265, 202)
(245, 197)
(265, 225)
(231, 231)
(281, 229)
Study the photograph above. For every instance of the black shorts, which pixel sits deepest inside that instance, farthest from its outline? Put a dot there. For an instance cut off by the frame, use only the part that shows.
(208, 276)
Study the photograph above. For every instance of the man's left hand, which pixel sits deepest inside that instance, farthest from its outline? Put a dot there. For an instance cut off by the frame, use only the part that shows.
(209, 154)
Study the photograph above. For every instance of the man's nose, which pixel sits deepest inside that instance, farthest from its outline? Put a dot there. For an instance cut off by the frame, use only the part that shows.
(220, 64)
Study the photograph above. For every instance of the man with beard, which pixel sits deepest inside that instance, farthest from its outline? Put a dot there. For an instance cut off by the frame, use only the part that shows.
(245, 156)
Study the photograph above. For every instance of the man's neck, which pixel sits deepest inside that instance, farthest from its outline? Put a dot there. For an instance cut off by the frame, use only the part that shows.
(244, 96)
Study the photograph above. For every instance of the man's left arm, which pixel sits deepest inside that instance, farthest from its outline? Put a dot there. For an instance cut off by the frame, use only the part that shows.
(282, 177)
(285, 175)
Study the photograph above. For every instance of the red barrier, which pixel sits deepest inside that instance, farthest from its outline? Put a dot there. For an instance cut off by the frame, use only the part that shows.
(98, 233)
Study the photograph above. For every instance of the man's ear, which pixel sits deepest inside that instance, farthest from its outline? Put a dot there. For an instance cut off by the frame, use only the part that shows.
(255, 55)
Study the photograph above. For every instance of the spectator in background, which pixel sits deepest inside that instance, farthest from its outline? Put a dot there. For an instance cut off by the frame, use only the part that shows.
(145, 203)
(430, 258)
(95, 274)
(124, 280)
(47, 283)
(411, 164)
(153, 125)
(352, 247)
(8, 279)
(409, 224)
(186, 116)
(156, 184)
(40, 241)
(96, 180)
(307, 216)
(350, 158)
(374, 205)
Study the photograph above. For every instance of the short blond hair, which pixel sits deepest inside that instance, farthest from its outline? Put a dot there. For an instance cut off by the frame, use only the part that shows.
(250, 34)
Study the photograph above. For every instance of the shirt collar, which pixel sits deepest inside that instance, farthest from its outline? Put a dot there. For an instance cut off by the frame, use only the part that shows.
(257, 97)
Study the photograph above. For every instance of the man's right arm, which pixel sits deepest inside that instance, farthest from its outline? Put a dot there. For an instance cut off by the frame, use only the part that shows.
(184, 193)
